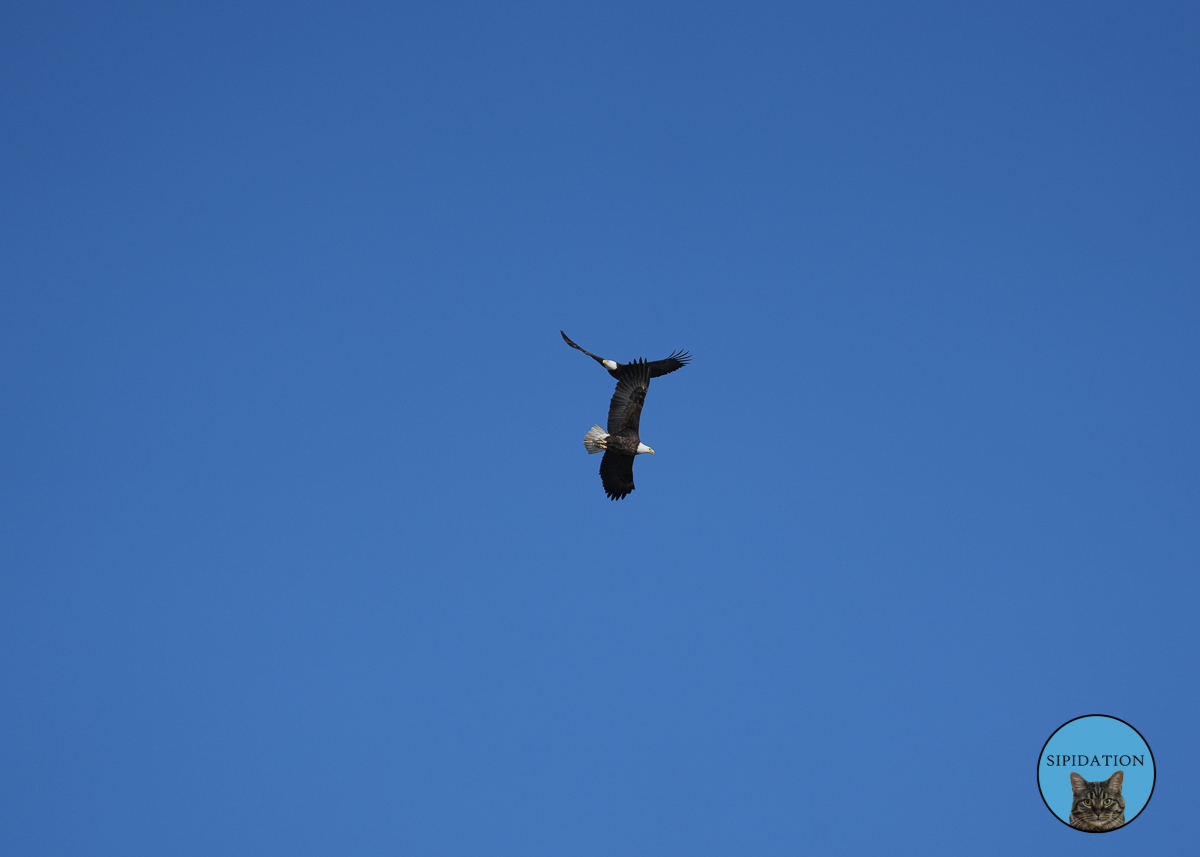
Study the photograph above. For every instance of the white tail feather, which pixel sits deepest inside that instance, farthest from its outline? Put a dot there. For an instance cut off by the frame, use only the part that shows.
(596, 440)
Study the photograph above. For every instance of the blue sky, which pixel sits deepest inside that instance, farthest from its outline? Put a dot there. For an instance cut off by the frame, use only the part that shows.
(302, 553)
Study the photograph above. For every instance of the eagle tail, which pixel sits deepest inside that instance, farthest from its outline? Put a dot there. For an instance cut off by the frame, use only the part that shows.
(596, 440)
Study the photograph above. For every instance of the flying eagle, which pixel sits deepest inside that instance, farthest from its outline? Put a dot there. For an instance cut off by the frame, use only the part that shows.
(621, 442)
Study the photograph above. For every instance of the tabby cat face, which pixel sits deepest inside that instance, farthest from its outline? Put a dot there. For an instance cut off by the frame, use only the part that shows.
(1099, 805)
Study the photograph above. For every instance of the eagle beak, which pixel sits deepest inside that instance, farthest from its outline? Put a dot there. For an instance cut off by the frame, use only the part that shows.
(652, 452)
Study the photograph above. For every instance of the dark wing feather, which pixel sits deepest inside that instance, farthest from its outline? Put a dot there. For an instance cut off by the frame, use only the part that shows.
(616, 472)
(625, 409)
(599, 360)
(665, 367)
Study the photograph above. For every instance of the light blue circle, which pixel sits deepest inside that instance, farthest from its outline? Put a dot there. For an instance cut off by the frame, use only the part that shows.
(1112, 745)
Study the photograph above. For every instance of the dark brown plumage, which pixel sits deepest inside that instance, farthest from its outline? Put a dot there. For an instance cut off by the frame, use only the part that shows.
(624, 420)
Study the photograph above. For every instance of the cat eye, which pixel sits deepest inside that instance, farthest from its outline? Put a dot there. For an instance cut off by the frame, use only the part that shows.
(1107, 802)
(1086, 802)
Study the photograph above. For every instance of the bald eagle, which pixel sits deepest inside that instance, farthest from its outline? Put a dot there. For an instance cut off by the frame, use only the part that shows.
(621, 443)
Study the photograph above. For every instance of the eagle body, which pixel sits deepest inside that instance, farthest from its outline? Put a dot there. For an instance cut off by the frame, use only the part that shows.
(623, 445)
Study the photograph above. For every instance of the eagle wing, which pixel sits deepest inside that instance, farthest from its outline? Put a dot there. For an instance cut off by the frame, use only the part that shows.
(616, 472)
(567, 339)
(625, 409)
(658, 368)
(665, 367)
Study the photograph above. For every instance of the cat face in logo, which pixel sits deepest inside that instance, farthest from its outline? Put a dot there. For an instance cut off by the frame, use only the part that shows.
(1097, 806)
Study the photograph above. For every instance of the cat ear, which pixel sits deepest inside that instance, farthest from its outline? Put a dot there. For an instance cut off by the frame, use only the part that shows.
(1114, 782)
(1077, 782)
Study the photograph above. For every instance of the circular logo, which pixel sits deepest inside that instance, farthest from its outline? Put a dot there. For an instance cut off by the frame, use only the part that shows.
(1096, 773)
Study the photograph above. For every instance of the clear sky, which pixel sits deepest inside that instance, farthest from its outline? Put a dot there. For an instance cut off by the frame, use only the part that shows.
(301, 550)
